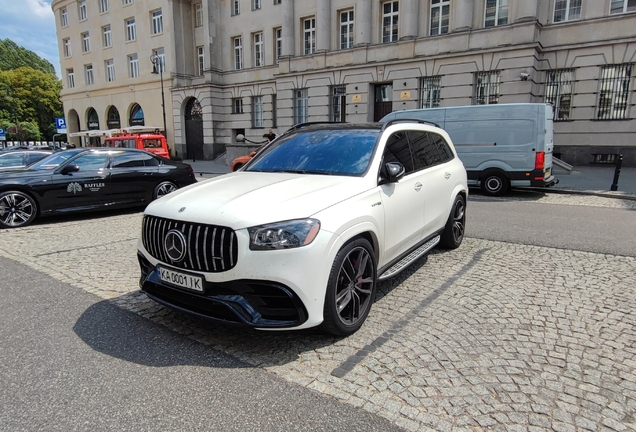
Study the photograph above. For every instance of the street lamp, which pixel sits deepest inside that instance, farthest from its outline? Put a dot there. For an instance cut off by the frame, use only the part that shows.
(157, 68)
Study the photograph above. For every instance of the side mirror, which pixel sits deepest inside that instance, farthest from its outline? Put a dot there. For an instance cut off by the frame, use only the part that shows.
(393, 171)
(69, 169)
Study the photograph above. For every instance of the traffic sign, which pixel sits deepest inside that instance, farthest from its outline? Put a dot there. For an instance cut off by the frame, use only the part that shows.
(60, 124)
(3, 134)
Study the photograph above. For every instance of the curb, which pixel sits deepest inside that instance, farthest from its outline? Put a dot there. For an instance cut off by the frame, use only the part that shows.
(604, 194)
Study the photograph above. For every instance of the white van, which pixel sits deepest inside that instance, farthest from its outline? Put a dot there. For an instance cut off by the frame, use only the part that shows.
(500, 145)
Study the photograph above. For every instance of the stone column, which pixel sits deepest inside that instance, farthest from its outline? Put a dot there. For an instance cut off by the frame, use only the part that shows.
(363, 22)
(323, 21)
(289, 29)
(409, 17)
(463, 15)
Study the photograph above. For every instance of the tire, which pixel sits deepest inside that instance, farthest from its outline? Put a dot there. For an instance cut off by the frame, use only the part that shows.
(17, 209)
(494, 183)
(164, 188)
(347, 304)
(456, 225)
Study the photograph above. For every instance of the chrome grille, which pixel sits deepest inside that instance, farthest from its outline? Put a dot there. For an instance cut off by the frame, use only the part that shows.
(209, 248)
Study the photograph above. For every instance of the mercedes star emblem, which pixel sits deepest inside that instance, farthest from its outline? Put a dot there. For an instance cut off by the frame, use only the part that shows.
(175, 245)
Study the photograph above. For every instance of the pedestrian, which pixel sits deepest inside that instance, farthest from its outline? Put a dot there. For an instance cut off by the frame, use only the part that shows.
(271, 136)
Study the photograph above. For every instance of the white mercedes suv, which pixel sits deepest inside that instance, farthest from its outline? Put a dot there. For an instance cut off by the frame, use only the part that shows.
(301, 234)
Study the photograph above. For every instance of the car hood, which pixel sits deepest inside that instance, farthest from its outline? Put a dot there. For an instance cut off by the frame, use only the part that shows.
(245, 199)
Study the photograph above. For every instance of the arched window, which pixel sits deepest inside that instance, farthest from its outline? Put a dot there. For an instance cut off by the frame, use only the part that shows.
(193, 110)
(113, 118)
(92, 120)
(136, 116)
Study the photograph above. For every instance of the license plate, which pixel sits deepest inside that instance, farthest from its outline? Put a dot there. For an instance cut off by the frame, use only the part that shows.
(182, 280)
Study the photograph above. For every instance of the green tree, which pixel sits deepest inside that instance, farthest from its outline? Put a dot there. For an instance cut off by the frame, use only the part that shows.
(13, 56)
(31, 96)
(26, 131)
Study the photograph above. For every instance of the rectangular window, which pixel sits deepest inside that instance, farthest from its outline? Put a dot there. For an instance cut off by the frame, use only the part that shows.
(103, 6)
(346, 29)
(301, 106)
(257, 112)
(133, 66)
(63, 17)
(277, 2)
(201, 59)
(237, 106)
(127, 2)
(67, 47)
(256, 4)
(107, 39)
(430, 92)
(86, 42)
(157, 22)
(496, 13)
(486, 88)
(622, 6)
(558, 92)
(131, 29)
(390, 21)
(81, 7)
(567, 10)
(161, 55)
(440, 11)
(70, 78)
(278, 40)
(198, 15)
(614, 92)
(236, 7)
(309, 36)
(88, 74)
(110, 70)
(259, 54)
(238, 53)
(338, 103)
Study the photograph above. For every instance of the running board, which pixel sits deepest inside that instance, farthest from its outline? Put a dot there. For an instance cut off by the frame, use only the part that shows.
(410, 258)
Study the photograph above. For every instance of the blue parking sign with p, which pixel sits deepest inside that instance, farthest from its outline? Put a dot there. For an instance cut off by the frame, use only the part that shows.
(60, 125)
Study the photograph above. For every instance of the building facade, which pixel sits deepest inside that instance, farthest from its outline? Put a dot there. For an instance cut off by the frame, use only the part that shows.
(246, 66)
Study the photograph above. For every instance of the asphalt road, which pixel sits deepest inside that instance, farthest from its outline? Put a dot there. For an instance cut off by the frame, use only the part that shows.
(575, 227)
(71, 362)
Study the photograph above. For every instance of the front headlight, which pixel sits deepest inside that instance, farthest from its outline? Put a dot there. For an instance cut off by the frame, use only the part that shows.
(284, 235)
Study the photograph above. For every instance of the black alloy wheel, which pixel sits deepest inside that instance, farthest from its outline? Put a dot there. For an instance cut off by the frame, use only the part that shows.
(17, 209)
(164, 188)
(456, 225)
(351, 288)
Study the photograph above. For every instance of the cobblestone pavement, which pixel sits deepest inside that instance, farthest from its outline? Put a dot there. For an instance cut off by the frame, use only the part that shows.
(492, 336)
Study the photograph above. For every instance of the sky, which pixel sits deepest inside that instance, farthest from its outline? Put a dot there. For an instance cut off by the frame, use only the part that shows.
(31, 24)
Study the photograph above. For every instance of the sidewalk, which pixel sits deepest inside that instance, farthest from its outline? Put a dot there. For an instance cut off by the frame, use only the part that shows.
(584, 179)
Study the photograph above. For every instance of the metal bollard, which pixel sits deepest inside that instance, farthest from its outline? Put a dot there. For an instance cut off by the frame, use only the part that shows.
(617, 172)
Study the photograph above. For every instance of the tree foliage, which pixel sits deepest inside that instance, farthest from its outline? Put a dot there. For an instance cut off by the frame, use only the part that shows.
(29, 94)
(13, 56)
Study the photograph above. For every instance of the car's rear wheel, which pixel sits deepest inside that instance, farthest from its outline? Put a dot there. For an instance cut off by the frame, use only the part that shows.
(456, 225)
(351, 288)
(494, 183)
(17, 209)
(164, 188)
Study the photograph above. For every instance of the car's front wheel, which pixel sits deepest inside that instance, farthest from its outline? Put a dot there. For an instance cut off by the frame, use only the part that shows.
(17, 209)
(455, 225)
(164, 188)
(351, 288)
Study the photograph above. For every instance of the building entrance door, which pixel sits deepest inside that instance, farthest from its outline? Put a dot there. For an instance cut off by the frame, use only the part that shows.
(194, 130)
(383, 101)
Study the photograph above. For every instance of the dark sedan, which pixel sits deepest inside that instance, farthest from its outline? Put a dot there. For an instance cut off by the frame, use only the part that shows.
(87, 180)
(13, 159)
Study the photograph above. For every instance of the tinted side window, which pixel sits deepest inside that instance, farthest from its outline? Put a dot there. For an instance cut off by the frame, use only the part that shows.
(429, 149)
(397, 150)
(91, 161)
(128, 160)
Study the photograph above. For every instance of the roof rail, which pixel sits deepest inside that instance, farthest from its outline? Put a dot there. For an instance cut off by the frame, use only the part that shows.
(306, 124)
(407, 120)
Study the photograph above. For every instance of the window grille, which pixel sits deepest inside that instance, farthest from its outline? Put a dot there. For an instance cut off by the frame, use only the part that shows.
(558, 92)
(338, 103)
(486, 88)
(430, 94)
(614, 92)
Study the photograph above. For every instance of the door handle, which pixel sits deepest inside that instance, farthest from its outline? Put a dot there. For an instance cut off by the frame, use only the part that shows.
(447, 175)
(418, 186)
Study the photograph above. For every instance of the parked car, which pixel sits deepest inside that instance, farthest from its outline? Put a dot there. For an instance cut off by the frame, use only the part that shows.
(20, 158)
(300, 236)
(152, 142)
(87, 179)
(238, 162)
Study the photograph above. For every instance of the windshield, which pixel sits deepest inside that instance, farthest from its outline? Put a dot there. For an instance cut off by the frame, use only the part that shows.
(50, 162)
(331, 152)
